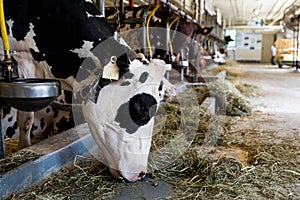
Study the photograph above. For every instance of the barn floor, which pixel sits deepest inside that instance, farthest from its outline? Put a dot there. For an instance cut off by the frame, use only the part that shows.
(274, 122)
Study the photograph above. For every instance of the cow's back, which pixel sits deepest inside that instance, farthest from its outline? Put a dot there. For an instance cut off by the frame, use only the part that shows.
(57, 29)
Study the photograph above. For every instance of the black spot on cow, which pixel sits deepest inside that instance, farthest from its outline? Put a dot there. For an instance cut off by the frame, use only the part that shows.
(10, 119)
(37, 56)
(6, 111)
(34, 127)
(141, 107)
(126, 83)
(64, 124)
(143, 77)
(42, 123)
(128, 75)
(161, 86)
(48, 110)
(55, 113)
(11, 131)
(68, 96)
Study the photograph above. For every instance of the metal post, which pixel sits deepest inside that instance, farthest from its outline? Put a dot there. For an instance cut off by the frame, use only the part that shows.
(298, 29)
(295, 46)
(2, 145)
(167, 37)
(122, 9)
(167, 50)
(144, 40)
(101, 6)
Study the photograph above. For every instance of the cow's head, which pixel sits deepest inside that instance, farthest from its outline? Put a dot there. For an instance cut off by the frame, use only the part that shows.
(121, 120)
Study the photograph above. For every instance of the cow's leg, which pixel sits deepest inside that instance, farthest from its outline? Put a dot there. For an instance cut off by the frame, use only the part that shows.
(25, 122)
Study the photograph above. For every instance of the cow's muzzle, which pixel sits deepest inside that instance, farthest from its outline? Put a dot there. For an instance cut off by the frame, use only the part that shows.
(131, 177)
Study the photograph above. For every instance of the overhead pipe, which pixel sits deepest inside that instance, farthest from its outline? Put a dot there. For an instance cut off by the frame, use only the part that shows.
(174, 7)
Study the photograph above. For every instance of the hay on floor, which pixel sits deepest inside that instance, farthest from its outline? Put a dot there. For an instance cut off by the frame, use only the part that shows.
(208, 169)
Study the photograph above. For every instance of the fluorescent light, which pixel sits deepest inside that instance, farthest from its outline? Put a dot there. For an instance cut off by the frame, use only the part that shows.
(260, 2)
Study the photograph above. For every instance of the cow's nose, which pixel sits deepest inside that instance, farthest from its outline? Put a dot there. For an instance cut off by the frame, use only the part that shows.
(142, 174)
(132, 177)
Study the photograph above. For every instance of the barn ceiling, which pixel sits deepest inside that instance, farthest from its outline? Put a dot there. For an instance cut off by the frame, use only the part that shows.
(234, 13)
(239, 12)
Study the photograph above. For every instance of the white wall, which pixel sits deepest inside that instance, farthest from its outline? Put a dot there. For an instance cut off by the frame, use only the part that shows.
(248, 46)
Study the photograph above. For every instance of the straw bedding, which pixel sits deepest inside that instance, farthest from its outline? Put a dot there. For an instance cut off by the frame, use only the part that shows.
(219, 163)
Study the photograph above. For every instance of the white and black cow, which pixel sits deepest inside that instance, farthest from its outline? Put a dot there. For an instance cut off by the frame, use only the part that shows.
(187, 34)
(71, 41)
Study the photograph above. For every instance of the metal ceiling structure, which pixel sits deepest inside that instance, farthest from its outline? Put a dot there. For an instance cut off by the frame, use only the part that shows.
(240, 12)
(235, 14)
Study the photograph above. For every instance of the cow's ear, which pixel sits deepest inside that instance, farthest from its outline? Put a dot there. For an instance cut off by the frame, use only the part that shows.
(200, 30)
(204, 30)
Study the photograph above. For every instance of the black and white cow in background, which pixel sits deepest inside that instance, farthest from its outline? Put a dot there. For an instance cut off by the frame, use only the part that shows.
(56, 39)
(188, 34)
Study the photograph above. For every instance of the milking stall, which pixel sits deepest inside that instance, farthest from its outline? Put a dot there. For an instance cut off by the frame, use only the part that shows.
(149, 99)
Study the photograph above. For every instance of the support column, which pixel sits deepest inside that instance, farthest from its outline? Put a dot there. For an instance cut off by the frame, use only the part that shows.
(2, 145)
(101, 5)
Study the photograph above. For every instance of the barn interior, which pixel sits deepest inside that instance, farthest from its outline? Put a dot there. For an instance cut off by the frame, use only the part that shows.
(230, 132)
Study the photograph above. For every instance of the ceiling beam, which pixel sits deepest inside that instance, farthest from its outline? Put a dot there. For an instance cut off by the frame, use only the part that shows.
(280, 12)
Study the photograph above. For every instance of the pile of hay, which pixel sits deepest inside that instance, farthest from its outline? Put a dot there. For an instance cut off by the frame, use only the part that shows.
(91, 179)
(247, 89)
(86, 178)
(14, 160)
(229, 100)
(270, 171)
(205, 170)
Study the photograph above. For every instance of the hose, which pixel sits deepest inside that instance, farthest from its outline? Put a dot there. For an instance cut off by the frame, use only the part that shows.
(147, 28)
(169, 37)
(4, 32)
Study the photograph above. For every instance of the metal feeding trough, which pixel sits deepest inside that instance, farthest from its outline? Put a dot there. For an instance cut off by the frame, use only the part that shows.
(182, 64)
(22, 94)
(29, 94)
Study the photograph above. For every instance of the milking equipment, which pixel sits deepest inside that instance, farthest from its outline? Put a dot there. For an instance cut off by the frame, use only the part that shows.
(26, 94)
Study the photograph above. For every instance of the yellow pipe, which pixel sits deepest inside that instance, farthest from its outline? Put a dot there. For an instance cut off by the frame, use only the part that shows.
(209, 45)
(3, 31)
(147, 28)
(169, 37)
